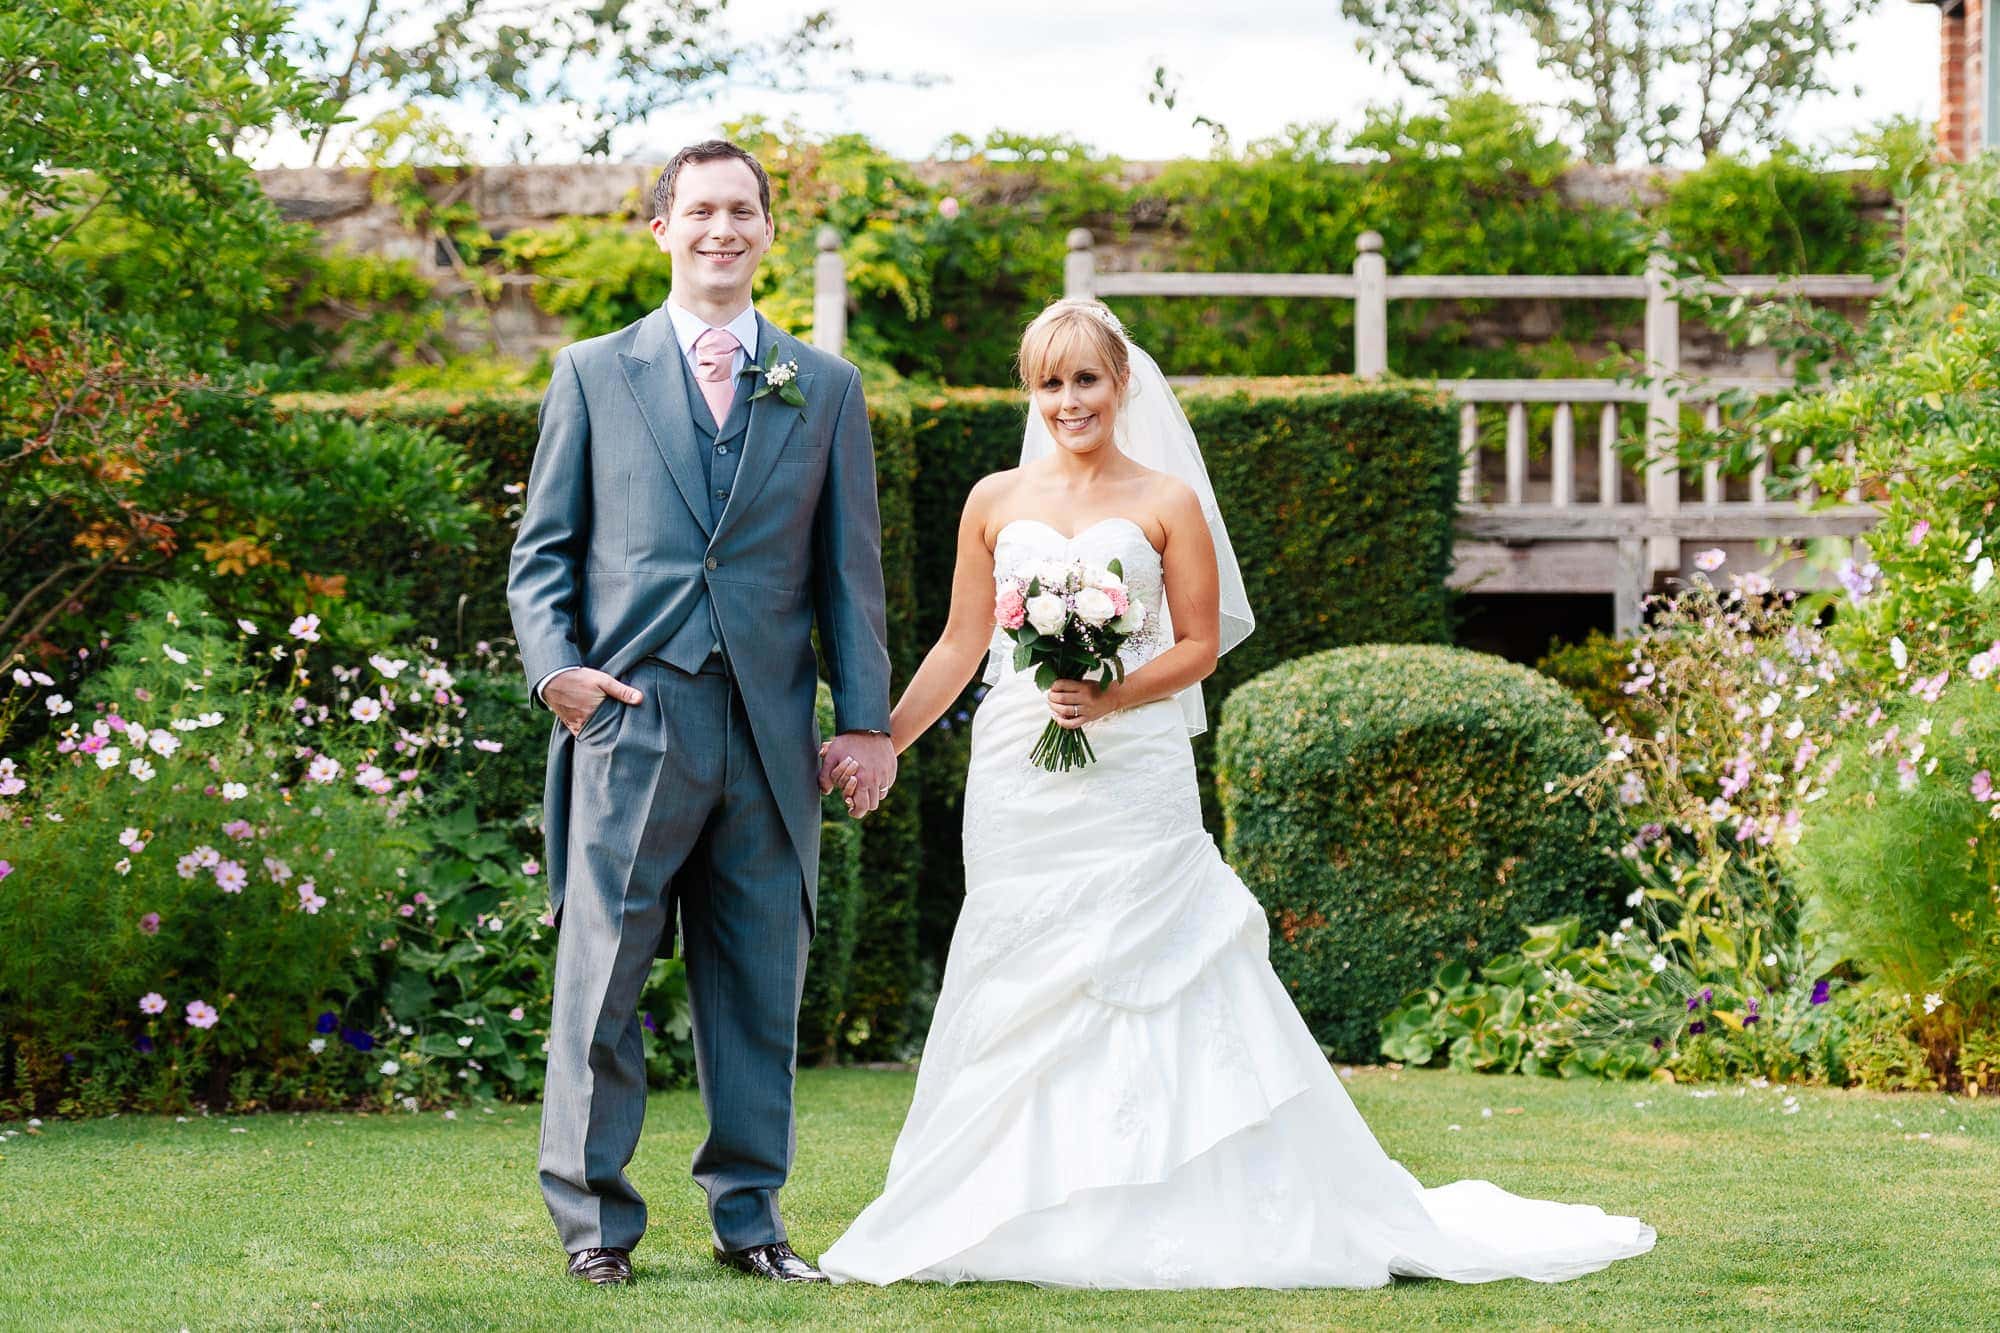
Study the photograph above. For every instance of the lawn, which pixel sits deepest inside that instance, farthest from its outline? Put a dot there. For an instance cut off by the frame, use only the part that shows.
(1834, 1210)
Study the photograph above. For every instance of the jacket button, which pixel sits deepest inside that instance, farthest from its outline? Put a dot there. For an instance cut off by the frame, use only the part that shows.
(712, 562)
(722, 495)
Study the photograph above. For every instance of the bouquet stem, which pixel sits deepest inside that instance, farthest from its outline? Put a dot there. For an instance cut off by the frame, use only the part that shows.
(1062, 748)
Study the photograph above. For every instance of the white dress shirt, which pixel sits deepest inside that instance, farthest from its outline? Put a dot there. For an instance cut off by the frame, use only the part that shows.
(687, 329)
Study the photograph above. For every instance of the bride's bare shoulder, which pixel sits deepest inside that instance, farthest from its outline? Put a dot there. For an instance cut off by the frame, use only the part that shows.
(988, 498)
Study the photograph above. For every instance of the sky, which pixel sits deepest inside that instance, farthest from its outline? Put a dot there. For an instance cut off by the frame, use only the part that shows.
(1083, 68)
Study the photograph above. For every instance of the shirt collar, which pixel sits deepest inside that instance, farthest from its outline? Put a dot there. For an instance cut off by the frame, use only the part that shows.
(688, 327)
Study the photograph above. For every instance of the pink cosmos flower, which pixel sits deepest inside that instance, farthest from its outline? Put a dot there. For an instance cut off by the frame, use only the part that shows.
(115, 722)
(517, 1013)
(1982, 785)
(531, 867)
(152, 1002)
(149, 924)
(238, 829)
(1010, 608)
(948, 208)
(201, 1014)
(310, 901)
(490, 747)
(1919, 530)
(6, 869)
(406, 910)
(231, 877)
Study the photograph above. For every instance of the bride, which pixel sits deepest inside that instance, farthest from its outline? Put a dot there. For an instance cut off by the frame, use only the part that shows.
(1117, 1090)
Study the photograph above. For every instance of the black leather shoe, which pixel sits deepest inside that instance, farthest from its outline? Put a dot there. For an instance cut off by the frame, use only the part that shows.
(775, 1261)
(604, 1268)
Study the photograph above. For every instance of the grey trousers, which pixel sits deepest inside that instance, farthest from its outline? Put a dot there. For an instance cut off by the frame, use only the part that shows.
(672, 782)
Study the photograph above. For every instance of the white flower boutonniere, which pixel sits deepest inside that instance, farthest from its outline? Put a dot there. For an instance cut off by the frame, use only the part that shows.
(781, 378)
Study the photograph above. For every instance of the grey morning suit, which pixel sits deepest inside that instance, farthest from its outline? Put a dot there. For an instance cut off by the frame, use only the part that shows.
(651, 539)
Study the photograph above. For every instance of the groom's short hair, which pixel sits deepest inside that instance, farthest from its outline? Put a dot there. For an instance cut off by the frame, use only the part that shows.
(708, 150)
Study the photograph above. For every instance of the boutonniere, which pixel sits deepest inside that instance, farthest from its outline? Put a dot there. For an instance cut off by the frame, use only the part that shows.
(781, 378)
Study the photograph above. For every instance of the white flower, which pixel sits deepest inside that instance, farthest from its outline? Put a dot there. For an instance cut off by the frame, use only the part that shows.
(464, 1042)
(1658, 962)
(108, 757)
(1094, 606)
(316, 1045)
(1617, 938)
(365, 709)
(1933, 1002)
(488, 747)
(310, 900)
(1898, 654)
(123, 865)
(163, 743)
(234, 791)
(57, 705)
(1769, 705)
(1972, 551)
(496, 925)
(22, 678)
(1982, 573)
(131, 840)
(1710, 560)
(174, 655)
(306, 628)
(1053, 574)
(438, 678)
(250, 627)
(390, 667)
(1770, 960)
(1133, 620)
(324, 768)
(1635, 898)
(390, 1069)
(1047, 613)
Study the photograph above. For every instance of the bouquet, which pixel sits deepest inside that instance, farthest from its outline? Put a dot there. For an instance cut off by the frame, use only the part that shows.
(1068, 619)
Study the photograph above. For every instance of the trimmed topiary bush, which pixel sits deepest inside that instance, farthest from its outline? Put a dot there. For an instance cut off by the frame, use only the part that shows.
(1385, 803)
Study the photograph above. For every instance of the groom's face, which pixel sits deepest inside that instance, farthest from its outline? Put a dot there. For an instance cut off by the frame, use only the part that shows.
(716, 230)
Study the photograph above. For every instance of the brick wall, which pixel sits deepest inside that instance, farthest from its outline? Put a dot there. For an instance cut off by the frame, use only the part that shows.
(1961, 78)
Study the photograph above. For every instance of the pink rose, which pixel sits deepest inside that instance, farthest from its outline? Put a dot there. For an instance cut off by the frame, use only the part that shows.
(1119, 601)
(1010, 608)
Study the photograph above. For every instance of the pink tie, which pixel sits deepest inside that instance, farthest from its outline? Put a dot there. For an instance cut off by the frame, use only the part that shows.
(714, 352)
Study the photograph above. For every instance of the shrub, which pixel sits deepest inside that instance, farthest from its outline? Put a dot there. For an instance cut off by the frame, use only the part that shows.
(1597, 671)
(1901, 861)
(1387, 806)
(132, 975)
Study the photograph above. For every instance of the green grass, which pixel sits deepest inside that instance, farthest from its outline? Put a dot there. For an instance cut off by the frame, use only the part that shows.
(1839, 1215)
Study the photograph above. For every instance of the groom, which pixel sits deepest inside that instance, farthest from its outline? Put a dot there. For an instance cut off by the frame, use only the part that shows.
(703, 494)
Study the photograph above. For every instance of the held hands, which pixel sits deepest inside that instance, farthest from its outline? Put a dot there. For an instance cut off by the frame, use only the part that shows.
(574, 695)
(1072, 703)
(863, 765)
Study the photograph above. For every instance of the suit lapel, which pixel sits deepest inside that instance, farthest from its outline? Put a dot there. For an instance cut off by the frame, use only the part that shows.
(653, 373)
(772, 421)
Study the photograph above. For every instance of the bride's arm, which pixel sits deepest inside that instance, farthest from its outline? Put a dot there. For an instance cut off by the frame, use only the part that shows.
(968, 630)
(1187, 565)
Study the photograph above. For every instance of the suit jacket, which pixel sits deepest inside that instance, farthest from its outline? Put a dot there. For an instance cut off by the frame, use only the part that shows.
(618, 546)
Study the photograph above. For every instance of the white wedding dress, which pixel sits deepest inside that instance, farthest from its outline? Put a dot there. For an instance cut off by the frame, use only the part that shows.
(1117, 1091)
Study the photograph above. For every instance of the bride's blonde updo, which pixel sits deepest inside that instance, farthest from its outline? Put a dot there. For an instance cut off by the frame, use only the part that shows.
(1074, 329)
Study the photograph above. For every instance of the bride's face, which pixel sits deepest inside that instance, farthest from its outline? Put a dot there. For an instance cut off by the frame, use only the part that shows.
(1079, 404)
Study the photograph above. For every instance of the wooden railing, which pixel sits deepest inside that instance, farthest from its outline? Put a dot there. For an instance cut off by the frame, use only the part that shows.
(1540, 533)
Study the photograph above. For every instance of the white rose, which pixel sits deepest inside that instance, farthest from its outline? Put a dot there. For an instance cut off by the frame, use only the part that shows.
(1053, 575)
(1094, 606)
(1047, 613)
(1133, 620)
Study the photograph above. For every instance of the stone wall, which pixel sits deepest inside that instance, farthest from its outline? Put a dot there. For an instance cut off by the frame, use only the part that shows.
(338, 202)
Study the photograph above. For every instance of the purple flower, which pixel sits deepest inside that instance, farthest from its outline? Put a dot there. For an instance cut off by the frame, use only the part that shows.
(1751, 1017)
(359, 1040)
(327, 1022)
(143, 1045)
(1696, 1028)
(650, 1025)
(1822, 992)
(1694, 1002)
(149, 924)
(1658, 1044)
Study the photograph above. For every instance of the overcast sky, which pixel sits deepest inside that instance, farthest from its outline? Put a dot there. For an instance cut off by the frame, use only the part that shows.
(1083, 68)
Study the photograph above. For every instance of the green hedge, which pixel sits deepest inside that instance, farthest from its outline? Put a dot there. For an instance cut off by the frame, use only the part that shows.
(1385, 804)
(1339, 497)
(464, 604)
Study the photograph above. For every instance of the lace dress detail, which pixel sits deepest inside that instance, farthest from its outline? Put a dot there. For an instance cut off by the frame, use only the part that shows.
(1117, 1090)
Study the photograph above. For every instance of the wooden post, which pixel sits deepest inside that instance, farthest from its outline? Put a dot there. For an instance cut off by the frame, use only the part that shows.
(1630, 583)
(1663, 409)
(829, 294)
(1371, 307)
(1080, 267)
(1562, 458)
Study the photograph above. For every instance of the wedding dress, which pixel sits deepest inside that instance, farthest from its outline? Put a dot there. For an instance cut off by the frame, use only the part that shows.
(1117, 1091)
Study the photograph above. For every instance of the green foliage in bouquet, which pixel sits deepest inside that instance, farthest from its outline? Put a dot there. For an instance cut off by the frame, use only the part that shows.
(1389, 806)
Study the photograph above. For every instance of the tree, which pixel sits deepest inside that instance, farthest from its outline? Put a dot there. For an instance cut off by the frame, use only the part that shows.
(1638, 75)
(608, 64)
